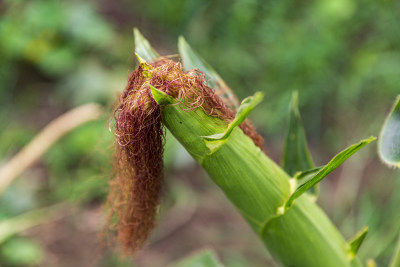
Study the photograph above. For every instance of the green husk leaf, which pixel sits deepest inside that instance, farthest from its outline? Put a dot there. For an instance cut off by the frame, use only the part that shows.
(160, 97)
(356, 241)
(395, 261)
(191, 60)
(247, 105)
(143, 47)
(389, 140)
(205, 258)
(328, 168)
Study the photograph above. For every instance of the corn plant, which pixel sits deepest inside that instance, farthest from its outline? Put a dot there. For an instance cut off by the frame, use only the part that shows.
(277, 202)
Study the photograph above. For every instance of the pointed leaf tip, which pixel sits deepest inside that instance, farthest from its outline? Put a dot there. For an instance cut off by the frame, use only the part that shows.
(140, 59)
(159, 96)
(181, 41)
(389, 139)
(143, 47)
(357, 240)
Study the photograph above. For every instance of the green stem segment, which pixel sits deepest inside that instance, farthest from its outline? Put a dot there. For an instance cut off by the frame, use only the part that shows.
(302, 235)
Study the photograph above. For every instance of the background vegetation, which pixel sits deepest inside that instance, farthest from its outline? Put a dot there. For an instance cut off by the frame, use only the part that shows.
(343, 56)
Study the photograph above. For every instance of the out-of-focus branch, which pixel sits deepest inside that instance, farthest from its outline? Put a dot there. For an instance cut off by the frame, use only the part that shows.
(45, 139)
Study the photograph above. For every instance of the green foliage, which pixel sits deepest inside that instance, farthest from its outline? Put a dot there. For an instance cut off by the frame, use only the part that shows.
(12, 226)
(340, 55)
(79, 166)
(22, 252)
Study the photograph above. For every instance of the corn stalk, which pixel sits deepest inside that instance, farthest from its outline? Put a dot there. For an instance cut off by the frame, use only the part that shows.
(279, 208)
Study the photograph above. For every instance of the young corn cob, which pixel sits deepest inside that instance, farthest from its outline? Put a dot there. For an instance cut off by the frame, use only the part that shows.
(288, 221)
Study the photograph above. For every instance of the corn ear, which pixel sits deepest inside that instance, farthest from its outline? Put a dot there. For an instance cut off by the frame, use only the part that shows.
(291, 225)
(301, 235)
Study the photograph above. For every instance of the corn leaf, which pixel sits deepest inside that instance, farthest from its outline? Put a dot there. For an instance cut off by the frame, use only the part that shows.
(204, 258)
(296, 156)
(247, 105)
(327, 169)
(143, 47)
(357, 240)
(389, 140)
(191, 60)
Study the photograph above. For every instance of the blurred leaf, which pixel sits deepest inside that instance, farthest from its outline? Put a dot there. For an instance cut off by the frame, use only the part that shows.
(86, 25)
(204, 258)
(9, 227)
(192, 61)
(296, 156)
(327, 169)
(22, 251)
(389, 141)
(143, 47)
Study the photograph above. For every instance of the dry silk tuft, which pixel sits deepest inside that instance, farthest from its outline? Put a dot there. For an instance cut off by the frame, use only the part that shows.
(136, 188)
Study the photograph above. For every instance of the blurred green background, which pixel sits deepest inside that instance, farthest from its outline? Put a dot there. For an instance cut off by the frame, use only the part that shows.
(343, 56)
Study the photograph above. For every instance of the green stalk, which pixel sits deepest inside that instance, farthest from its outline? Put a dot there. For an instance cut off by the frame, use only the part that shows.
(301, 235)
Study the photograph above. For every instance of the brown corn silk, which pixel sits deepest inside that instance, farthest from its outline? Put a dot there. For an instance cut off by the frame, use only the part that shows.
(136, 188)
